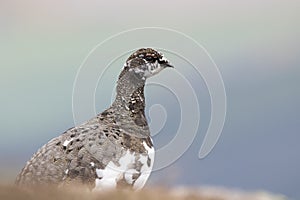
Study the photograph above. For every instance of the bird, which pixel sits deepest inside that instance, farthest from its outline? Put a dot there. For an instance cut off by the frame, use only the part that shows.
(114, 149)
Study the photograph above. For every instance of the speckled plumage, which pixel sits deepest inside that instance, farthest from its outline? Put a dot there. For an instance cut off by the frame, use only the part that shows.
(113, 149)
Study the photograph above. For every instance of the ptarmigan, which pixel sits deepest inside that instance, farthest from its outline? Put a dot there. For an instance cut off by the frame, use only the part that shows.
(113, 149)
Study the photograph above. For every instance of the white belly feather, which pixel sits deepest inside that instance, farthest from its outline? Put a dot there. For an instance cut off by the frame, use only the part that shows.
(111, 174)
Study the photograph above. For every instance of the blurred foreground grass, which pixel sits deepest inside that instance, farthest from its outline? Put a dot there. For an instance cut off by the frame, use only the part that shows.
(9, 192)
(14, 193)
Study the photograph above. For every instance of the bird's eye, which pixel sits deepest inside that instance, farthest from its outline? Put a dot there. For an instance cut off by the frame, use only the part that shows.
(149, 58)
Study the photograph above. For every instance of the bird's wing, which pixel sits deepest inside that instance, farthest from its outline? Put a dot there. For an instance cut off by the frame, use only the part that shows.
(71, 157)
(46, 164)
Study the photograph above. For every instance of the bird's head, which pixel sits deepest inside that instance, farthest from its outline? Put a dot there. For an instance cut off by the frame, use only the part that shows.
(145, 63)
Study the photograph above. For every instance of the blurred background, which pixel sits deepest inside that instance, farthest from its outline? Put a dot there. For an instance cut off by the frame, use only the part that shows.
(255, 45)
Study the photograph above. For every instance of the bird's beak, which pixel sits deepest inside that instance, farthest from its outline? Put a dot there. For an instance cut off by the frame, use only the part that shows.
(168, 65)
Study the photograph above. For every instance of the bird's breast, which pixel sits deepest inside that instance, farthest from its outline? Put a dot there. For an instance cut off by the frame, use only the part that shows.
(132, 169)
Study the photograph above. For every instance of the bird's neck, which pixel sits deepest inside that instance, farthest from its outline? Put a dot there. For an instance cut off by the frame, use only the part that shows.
(129, 104)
